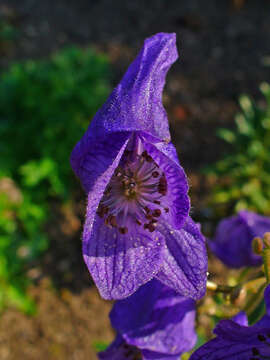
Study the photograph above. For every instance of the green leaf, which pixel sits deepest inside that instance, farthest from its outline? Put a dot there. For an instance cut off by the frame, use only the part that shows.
(246, 105)
(226, 135)
(244, 127)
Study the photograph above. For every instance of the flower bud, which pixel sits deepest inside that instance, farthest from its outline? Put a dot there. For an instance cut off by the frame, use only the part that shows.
(257, 245)
(266, 239)
(233, 241)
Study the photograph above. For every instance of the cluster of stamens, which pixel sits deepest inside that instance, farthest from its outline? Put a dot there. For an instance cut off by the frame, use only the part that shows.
(135, 194)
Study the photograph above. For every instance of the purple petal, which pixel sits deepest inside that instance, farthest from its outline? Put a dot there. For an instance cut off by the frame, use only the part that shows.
(234, 342)
(120, 264)
(165, 147)
(230, 330)
(185, 260)
(94, 160)
(267, 299)
(233, 239)
(177, 198)
(151, 355)
(113, 352)
(220, 349)
(118, 350)
(241, 318)
(265, 320)
(136, 103)
(157, 319)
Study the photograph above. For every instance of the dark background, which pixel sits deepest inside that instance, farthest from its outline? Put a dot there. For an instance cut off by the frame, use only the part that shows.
(224, 51)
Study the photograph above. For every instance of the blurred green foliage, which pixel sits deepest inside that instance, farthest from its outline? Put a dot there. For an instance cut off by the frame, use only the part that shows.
(45, 106)
(243, 176)
(100, 346)
(7, 31)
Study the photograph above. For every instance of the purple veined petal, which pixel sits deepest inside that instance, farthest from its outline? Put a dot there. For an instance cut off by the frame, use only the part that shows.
(185, 260)
(234, 342)
(220, 349)
(94, 160)
(156, 319)
(177, 186)
(231, 331)
(165, 147)
(95, 171)
(121, 263)
(136, 103)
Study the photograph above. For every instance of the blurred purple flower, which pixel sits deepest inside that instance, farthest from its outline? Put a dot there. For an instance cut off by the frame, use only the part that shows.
(237, 341)
(232, 243)
(137, 190)
(153, 323)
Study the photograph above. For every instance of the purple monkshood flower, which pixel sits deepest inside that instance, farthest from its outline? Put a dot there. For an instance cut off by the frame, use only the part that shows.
(237, 341)
(232, 243)
(154, 323)
(137, 225)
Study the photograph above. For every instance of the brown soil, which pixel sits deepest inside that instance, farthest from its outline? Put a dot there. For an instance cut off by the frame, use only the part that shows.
(224, 51)
(67, 326)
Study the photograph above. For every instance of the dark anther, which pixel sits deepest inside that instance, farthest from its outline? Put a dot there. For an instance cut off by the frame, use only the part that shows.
(118, 172)
(100, 213)
(255, 351)
(155, 174)
(123, 230)
(112, 220)
(108, 190)
(102, 210)
(162, 185)
(151, 227)
(261, 337)
(144, 153)
(147, 209)
(157, 202)
(166, 210)
(156, 213)
(138, 222)
(148, 216)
